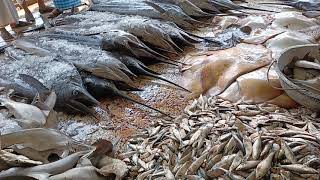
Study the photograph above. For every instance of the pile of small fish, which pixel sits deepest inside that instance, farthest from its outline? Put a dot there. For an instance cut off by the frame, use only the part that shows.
(219, 140)
(98, 53)
(305, 72)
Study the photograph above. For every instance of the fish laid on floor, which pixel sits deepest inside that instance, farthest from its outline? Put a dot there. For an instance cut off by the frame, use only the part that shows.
(254, 88)
(153, 9)
(213, 74)
(88, 64)
(57, 75)
(161, 35)
(213, 140)
(134, 65)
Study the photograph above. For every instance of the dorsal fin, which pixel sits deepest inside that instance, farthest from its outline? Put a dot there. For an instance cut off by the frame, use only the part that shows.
(33, 82)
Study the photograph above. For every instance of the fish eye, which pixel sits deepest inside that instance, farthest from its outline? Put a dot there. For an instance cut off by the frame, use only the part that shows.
(75, 92)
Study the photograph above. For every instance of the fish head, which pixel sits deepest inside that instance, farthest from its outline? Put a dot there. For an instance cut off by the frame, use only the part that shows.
(115, 39)
(76, 98)
(99, 87)
(125, 41)
(118, 38)
(304, 5)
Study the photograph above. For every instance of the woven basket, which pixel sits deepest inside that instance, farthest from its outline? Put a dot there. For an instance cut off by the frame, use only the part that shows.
(296, 92)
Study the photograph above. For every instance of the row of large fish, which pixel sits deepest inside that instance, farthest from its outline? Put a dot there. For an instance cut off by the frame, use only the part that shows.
(97, 53)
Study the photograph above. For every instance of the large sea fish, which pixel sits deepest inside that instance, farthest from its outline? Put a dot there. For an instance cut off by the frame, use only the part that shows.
(92, 74)
(154, 9)
(54, 73)
(94, 60)
(159, 35)
(69, 48)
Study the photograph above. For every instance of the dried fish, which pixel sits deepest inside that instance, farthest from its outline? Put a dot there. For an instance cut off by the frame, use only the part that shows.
(213, 144)
(266, 148)
(238, 142)
(256, 148)
(145, 174)
(214, 160)
(197, 163)
(247, 165)
(230, 146)
(299, 168)
(247, 146)
(298, 148)
(264, 166)
(236, 162)
(183, 169)
(110, 165)
(288, 152)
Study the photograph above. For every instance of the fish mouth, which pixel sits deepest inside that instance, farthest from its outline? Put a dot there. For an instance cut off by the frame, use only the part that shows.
(87, 99)
(83, 103)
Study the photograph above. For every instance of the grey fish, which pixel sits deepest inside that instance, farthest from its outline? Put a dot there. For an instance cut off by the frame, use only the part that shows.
(115, 40)
(206, 5)
(229, 5)
(161, 34)
(149, 9)
(21, 88)
(56, 74)
(139, 68)
(125, 7)
(102, 88)
(95, 61)
(175, 14)
(111, 60)
(310, 5)
(188, 7)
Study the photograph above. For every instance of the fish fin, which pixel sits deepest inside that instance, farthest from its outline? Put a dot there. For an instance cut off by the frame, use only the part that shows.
(51, 100)
(141, 64)
(155, 6)
(103, 71)
(112, 72)
(126, 87)
(40, 176)
(36, 99)
(307, 56)
(33, 82)
(46, 22)
(81, 108)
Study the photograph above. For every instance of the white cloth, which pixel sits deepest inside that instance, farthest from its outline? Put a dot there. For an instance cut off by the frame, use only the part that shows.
(8, 13)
